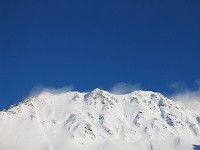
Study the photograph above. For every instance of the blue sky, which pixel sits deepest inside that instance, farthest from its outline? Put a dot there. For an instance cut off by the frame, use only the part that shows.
(97, 43)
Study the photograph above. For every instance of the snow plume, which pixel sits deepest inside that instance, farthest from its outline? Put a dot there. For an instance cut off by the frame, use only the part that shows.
(39, 89)
(189, 97)
(124, 88)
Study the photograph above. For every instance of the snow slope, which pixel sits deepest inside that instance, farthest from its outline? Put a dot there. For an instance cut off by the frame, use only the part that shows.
(141, 120)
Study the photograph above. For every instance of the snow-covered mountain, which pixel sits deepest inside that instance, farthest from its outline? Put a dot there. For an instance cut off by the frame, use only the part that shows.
(141, 120)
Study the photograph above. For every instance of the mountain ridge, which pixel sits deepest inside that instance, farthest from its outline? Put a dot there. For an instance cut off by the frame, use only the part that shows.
(140, 119)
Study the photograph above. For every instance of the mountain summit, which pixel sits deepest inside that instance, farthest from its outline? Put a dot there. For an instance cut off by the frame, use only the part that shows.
(140, 120)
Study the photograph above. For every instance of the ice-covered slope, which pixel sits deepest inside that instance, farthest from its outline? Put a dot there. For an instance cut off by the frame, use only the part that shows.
(99, 120)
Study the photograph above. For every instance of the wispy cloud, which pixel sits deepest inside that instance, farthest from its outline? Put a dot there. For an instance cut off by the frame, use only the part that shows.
(123, 88)
(184, 93)
(188, 96)
(179, 86)
(40, 88)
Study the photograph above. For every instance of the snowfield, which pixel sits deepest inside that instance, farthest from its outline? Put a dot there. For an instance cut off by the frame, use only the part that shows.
(99, 120)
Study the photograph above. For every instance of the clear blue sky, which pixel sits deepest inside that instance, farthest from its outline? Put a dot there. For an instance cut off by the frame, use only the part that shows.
(97, 43)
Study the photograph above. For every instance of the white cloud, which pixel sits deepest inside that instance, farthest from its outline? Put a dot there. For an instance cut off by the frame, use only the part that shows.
(124, 88)
(179, 86)
(189, 97)
(39, 88)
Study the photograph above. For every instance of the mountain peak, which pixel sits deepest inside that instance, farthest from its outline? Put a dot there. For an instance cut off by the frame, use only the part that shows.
(97, 90)
(85, 120)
